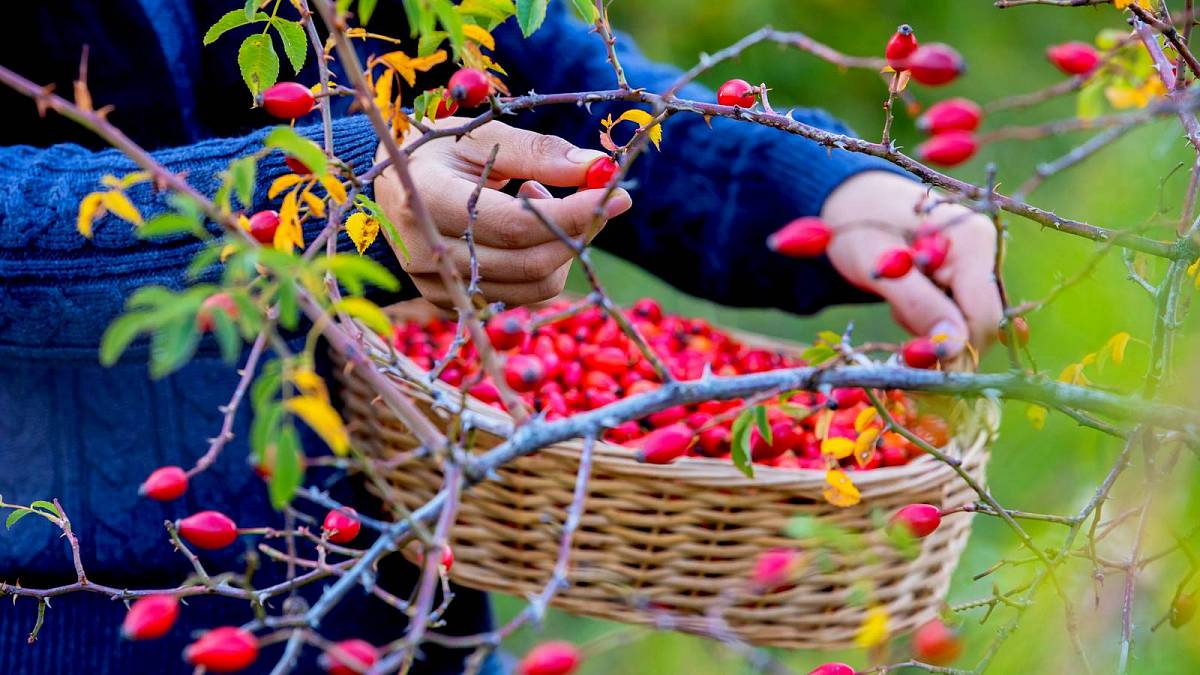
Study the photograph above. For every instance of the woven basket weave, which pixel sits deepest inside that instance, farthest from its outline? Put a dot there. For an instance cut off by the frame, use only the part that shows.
(658, 541)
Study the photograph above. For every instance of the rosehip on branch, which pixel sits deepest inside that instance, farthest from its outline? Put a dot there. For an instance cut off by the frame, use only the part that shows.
(348, 657)
(263, 226)
(469, 87)
(738, 93)
(948, 149)
(935, 64)
(893, 264)
(953, 114)
(341, 525)
(900, 46)
(227, 649)
(1020, 327)
(832, 669)
(150, 617)
(600, 173)
(445, 107)
(551, 658)
(297, 167)
(920, 520)
(1074, 58)
(921, 352)
(935, 644)
(164, 484)
(288, 100)
(806, 237)
(664, 445)
(217, 302)
(208, 530)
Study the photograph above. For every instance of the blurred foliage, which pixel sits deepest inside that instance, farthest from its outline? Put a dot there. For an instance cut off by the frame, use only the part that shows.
(1054, 470)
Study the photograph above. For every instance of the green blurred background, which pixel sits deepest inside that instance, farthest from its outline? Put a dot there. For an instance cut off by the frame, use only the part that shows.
(1052, 470)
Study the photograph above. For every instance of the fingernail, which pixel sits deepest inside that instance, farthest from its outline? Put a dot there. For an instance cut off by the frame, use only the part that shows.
(535, 190)
(949, 337)
(583, 155)
(619, 203)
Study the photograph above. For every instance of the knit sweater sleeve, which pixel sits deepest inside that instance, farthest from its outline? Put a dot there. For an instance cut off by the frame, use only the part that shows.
(58, 290)
(704, 205)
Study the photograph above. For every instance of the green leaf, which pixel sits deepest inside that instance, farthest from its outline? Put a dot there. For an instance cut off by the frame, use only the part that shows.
(265, 427)
(249, 8)
(830, 338)
(228, 338)
(230, 21)
(760, 420)
(530, 15)
(206, 258)
(295, 42)
(415, 11)
(367, 312)
(586, 10)
(365, 9)
(494, 11)
(818, 354)
(430, 41)
(1090, 101)
(741, 444)
(354, 271)
(120, 333)
(289, 310)
(172, 345)
(46, 506)
(450, 19)
(265, 389)
(292, 143)
(258, 62)
(170, 224)
(286, 473)
(242, 173)
(377, 213)
(15, 516)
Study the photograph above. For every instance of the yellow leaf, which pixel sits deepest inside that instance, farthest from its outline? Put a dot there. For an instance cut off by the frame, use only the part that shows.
(334, 187)
(309, 383)
(1191, 270)
(323, 419)
(837, 447)
(289, 234)
(283, 183)
(478, 34)
(865, 417)
(824, 420)
(126, 181)
(1036, 415)
(367, 312)
(228, 250)
(363, 230)
(1123, 4)
(407, 67)
(841, 490)
(1122, 97)
(1088, 359)
(1116, 346)
(874, 628)
(643, 119)
(120, 206)
(91, 207)
(864, 446)
(383, 93)
(316, 205)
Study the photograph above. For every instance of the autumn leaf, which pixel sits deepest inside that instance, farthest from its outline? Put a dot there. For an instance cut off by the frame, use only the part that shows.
(479, 35)
(874, 628)
(383, 93)
(407, 66)
(1036, 415)
(337, 192)
(643, 119)
(119, 205)
(1124, 4)
(323, 419)
(91, 207)
(1073, 374)
(841, 490)
(289, 235)
(309, 383)
(316, 205)
(283, 183)
(864, 418)
(363, 230)
(864, 446)
(837, 447)
(1116, 346)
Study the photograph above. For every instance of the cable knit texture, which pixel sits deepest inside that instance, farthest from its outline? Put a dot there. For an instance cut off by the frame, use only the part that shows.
(87, 435)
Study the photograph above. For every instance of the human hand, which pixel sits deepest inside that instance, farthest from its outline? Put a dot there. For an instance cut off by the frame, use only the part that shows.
(520, 260)
(855, 211)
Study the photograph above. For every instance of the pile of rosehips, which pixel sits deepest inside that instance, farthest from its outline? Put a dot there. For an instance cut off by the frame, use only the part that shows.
(585, 361)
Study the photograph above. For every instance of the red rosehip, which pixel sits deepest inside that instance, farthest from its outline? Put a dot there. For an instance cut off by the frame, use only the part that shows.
(150, 617)
(948, 149)
(935, 644)
(739, 93)
(900, 46)
(288, 100)
(208, 530)
(524, 373)
(648, 309)
(1074, 58)
(221, 302)
(445, 107)
(935, 64)
(349, 657)
(832, 669)
(930, 252)
(469, 87)
(921, 352)
(664, 445)
(953, 114)
(893, 264)
(774, 568)
(341, 525)
(1020, 327)
(263, 226)
(714, 442)
(164, 484)
(919, 519)
(506, 330)
(600, 173)
(223, 650)
(805, 237)
(297, 167)
(551, 658)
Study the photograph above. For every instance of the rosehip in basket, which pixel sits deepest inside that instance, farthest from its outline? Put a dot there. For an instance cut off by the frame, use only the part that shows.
(342, 525)
(150, 617)
(469, 87)
(1074, 58)
(665, 445)
(164, 484)
(948, 149)
(524, 373)
(935, 644)
(738, 93)
(288, 100)
(935, 64)
(348, 657)
(806, 237)
(551, 658)
(208, 530)
(893, 264)
(507, 329)
(900, 47)
(227, 649)
(920, 520)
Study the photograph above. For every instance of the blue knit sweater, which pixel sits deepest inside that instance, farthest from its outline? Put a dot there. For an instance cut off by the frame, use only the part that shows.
(73, 430)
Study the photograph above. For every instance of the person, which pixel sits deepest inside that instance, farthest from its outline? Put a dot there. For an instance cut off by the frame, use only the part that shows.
(697, 214)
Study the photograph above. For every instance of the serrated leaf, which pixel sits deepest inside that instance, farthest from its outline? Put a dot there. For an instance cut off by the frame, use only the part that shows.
(323, 419)
(295, 145)
(363, 230)
(479, 35)
(232, 20)
(172, 345)
(377, 212)
(46, 506)
(493, 10)
(170, 224)
(295, 42)
(818, 354)
(258, 63)
(249, 8)
(352, 271)
(530, 15)
(449, 18)
(15, 516)
(407, 67)
(333, 186)
(586, 10)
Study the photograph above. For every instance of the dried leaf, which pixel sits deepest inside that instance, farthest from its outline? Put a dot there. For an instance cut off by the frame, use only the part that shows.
(316, 205)
(864, 446)
(323, 419)
(837, 447)
(337, 191)
(363, 229)
(865, 417)
(479, 35)
(407, 66)
(1116, 346)
(841, 491)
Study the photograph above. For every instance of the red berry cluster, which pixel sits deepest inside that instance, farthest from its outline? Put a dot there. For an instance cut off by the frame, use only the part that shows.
(933, 64)
(952, 123)
(585, 361)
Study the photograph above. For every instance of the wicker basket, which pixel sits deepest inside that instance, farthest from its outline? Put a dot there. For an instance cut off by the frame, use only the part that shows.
(659, 541)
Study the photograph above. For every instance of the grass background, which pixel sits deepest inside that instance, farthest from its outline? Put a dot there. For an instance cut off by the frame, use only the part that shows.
(1052, 470)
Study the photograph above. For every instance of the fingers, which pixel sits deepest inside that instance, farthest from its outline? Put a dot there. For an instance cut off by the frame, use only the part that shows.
(511, 294)
(529, 155)
(972, 280)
